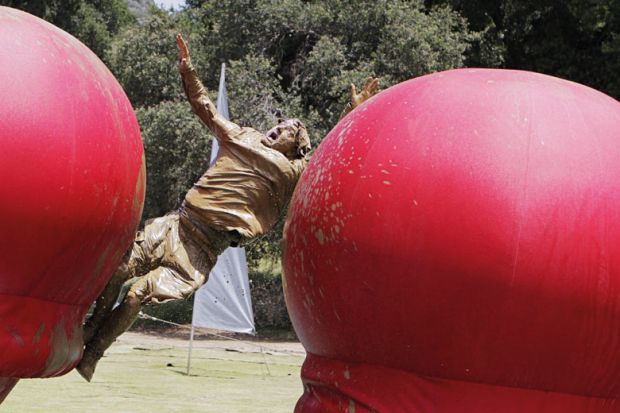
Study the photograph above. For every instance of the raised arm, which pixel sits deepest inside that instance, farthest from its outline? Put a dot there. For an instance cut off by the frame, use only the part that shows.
(197, 95)
(371, 86)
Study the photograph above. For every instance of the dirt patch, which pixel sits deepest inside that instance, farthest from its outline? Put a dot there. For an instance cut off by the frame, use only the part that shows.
(178, 338)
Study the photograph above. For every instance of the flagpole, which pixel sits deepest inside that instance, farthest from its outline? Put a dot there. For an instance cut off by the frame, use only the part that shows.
(189, 353)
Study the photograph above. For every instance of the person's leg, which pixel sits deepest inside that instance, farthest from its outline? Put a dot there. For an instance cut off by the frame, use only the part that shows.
(137, 262)
(115, 324)
(182, 268)
(105, 302)
(108, 323)
(160, 285)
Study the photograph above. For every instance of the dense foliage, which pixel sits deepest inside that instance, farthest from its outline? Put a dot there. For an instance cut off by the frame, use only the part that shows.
(301, 56)
(573, 39)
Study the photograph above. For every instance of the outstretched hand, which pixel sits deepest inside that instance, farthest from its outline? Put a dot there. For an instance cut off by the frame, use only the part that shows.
(184, 60)
(370, 88)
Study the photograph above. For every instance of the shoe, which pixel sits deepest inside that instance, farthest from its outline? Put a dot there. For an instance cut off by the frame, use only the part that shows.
(87, 365)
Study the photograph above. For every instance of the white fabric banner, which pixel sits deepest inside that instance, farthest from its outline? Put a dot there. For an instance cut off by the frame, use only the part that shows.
(224, 302)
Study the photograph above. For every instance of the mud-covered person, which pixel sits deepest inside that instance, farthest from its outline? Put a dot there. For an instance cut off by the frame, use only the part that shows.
(240, 197)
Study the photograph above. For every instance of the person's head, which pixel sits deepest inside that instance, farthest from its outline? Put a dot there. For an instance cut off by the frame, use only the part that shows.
(290, 138)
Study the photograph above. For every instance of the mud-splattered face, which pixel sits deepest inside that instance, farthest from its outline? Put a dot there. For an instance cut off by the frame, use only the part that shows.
(290, 138)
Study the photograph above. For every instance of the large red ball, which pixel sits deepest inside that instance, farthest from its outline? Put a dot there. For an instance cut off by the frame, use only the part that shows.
(71, 192)
(461, 228)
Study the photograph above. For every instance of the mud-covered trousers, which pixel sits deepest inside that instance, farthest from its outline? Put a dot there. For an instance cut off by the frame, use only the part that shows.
(170, 259)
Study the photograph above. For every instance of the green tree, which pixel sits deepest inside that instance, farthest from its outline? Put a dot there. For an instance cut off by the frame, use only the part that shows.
(88, 25)
(415, 41)
(143, 58)
(255, 95)
(573, 39)
(177, 149)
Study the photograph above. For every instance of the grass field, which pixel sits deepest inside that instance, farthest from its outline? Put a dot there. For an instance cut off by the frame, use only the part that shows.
(145, 373)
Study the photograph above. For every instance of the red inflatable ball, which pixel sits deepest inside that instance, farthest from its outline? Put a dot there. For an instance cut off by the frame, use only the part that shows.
(454, 246)
(72, 173)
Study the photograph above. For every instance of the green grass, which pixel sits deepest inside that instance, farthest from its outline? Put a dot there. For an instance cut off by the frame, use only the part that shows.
(134, 380)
